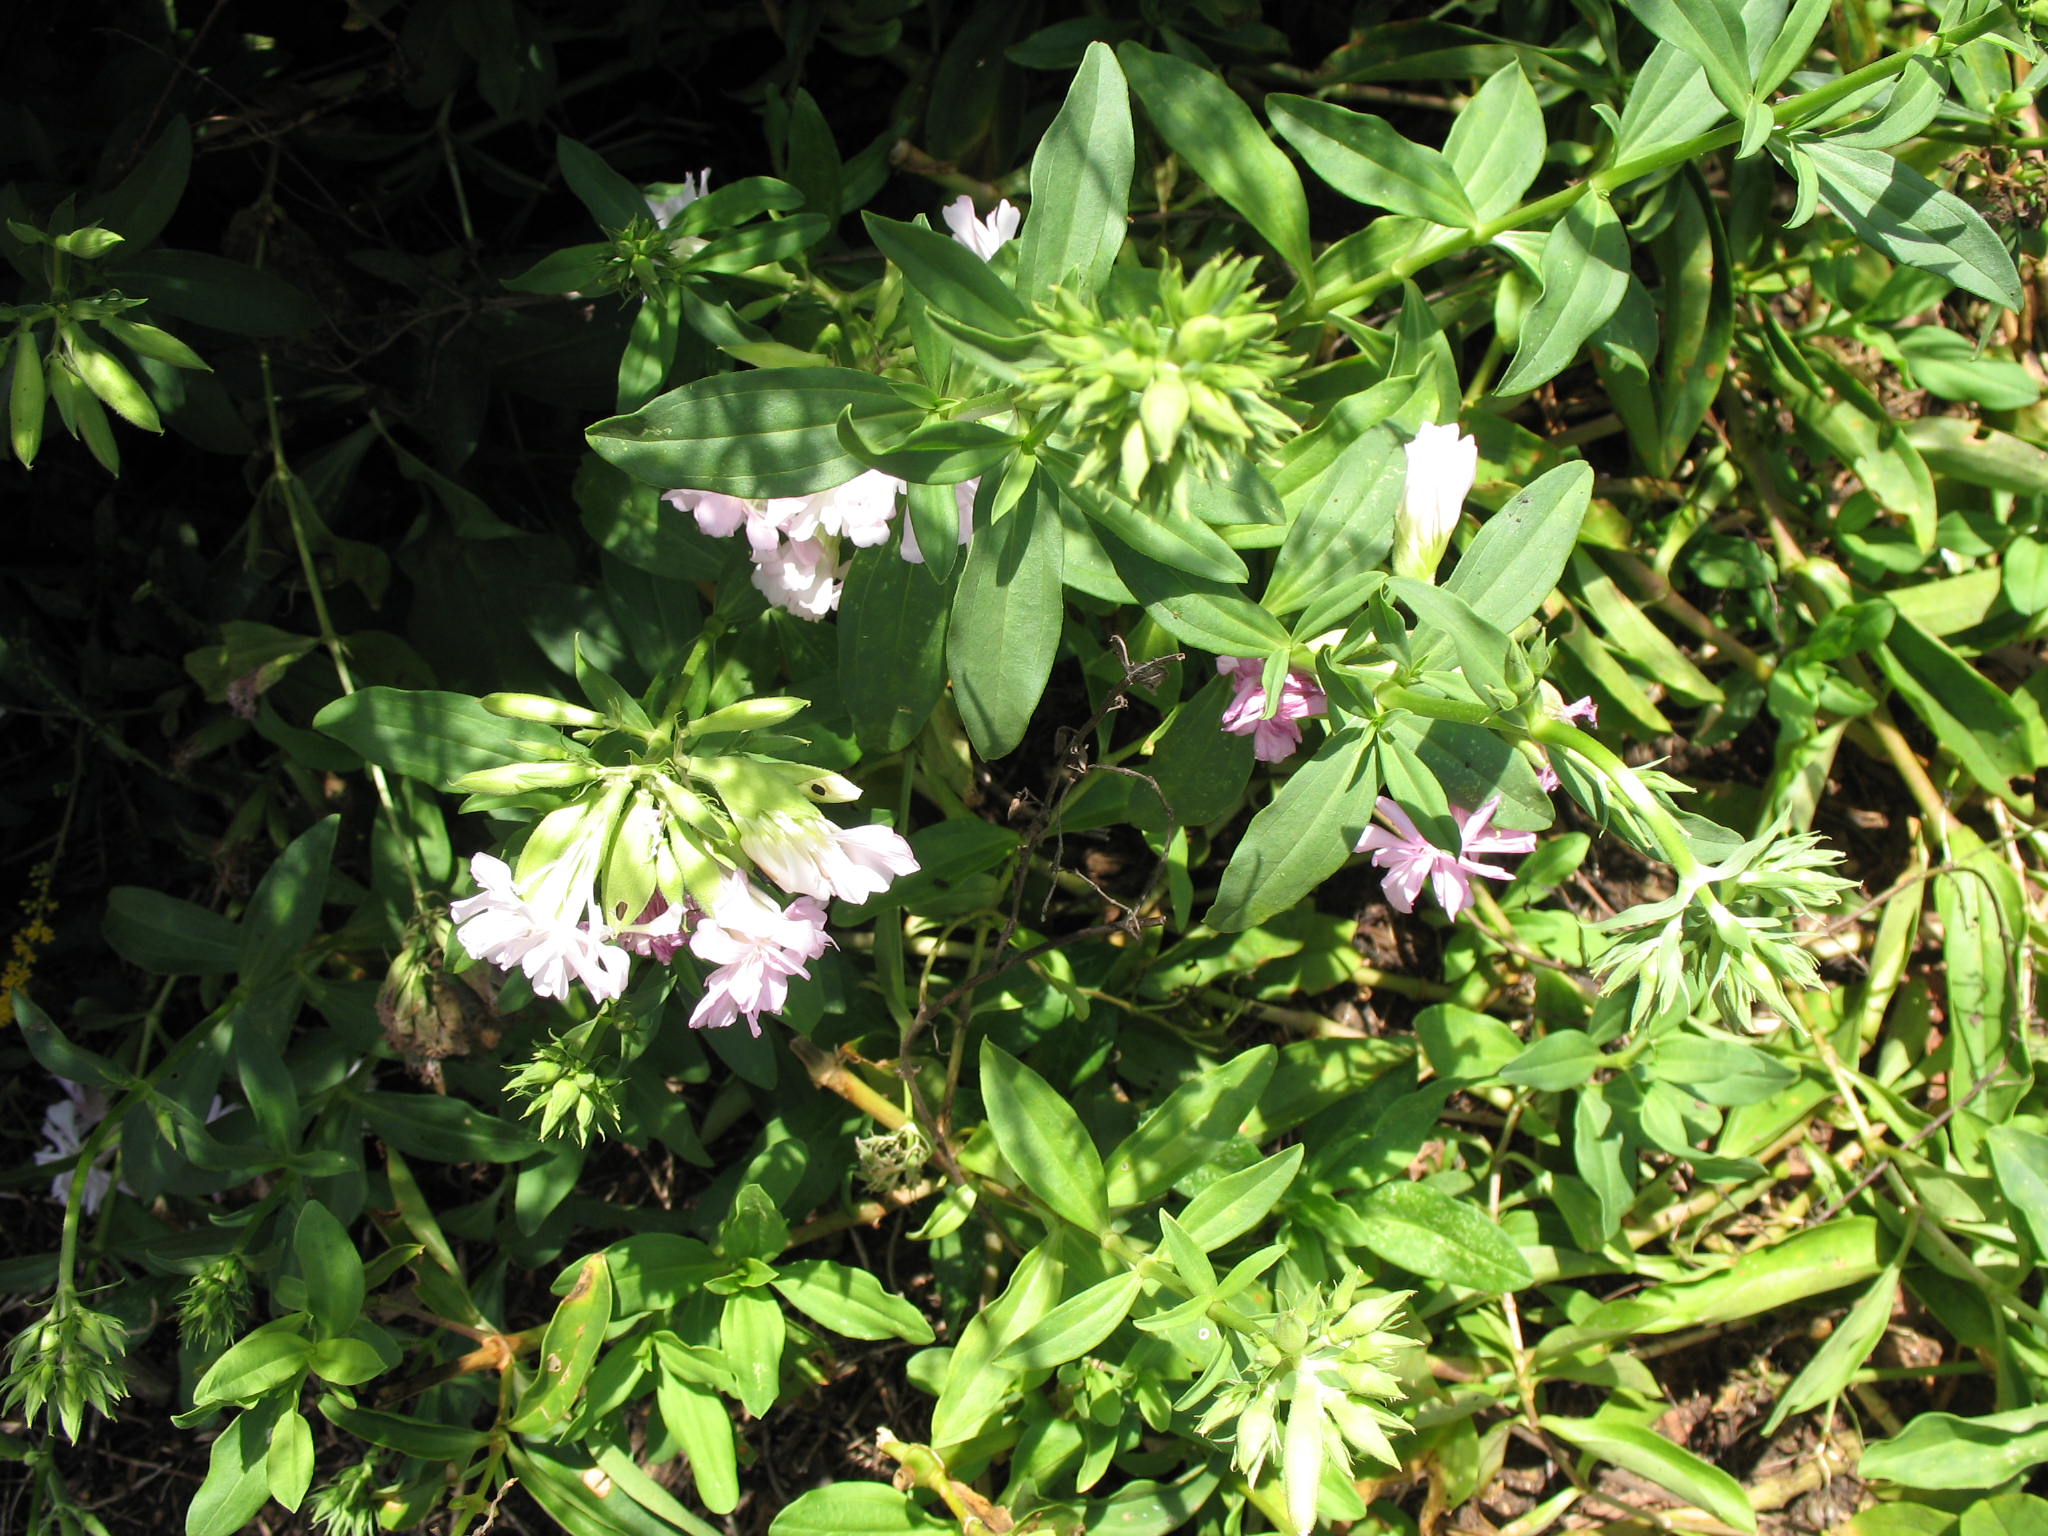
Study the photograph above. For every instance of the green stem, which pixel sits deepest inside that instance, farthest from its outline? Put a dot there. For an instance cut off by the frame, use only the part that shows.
(293, 495)
(94, 1144)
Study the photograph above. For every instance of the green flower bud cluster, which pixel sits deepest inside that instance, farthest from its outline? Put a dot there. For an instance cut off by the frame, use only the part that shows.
(66, 1362)
(214, 1304)
(1312, 1389)
(570, 1093)
(1726, 940)
(1156, 385)
(80, 373)
(346, 1504)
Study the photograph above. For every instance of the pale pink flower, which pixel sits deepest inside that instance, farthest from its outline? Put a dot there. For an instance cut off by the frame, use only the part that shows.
(658, 932)
(799, 577)
(812, 856)
(501, 926)
(1554, 706)
(984, 237)
(1411, 860)
(66, 1124)
(1276, 738)
(858, 511)
(756, 946)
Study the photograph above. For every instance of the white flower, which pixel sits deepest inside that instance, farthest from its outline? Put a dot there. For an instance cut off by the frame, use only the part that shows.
(1442, 465)
(807, 855)
(984, 237)
(963, 499)
(688, 190)
(756, 947)
(499, 925)
(858, 511)
(800, 577)
(66, 1124)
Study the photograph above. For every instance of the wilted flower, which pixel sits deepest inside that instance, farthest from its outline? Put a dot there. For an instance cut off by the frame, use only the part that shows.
(499, 925)
(1276, 738)
(1411, 860)
(984, 237)
(756, 947)
(1442, 465)
(808, 855)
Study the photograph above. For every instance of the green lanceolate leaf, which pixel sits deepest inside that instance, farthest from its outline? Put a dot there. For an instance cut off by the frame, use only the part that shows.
(434, 737)
(1006, 621)
(1200, 611)
(1302, 837)
(1196, 1120)
(849, 1301)
(1713, 34)
(170, 937)
(1893, 207)
(331, 1268)
(1239, 1201)
(1585, 275)
(1042, 1138)
(1208, 125)
(1080, 178)
(1343, 527)
(612, 200)
(1495, 146)
(702, 1425)
(1075, 1326)
(1369, 161)
(892, 647)
(568, 1350)
(766, 432)
(1433, 1235)
(1943, 1450)
(1649, 1455)
(950, 276)
(1514, 562)
(2019, 1161)
(285, 910)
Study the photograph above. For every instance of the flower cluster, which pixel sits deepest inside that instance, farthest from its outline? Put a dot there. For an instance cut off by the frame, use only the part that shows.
(668, 852)
(1184, 384)
(1275, 737)
(796, 541)
(1314, 1389)
(1411, 860)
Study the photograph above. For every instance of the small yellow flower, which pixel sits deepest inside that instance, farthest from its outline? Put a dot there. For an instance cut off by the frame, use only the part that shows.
(32, 937)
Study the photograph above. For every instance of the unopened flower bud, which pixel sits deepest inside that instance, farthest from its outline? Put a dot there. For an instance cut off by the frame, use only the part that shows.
(517, 778)
(747, 715)
(542, 711)
(1164, 411)
(1442, 464)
